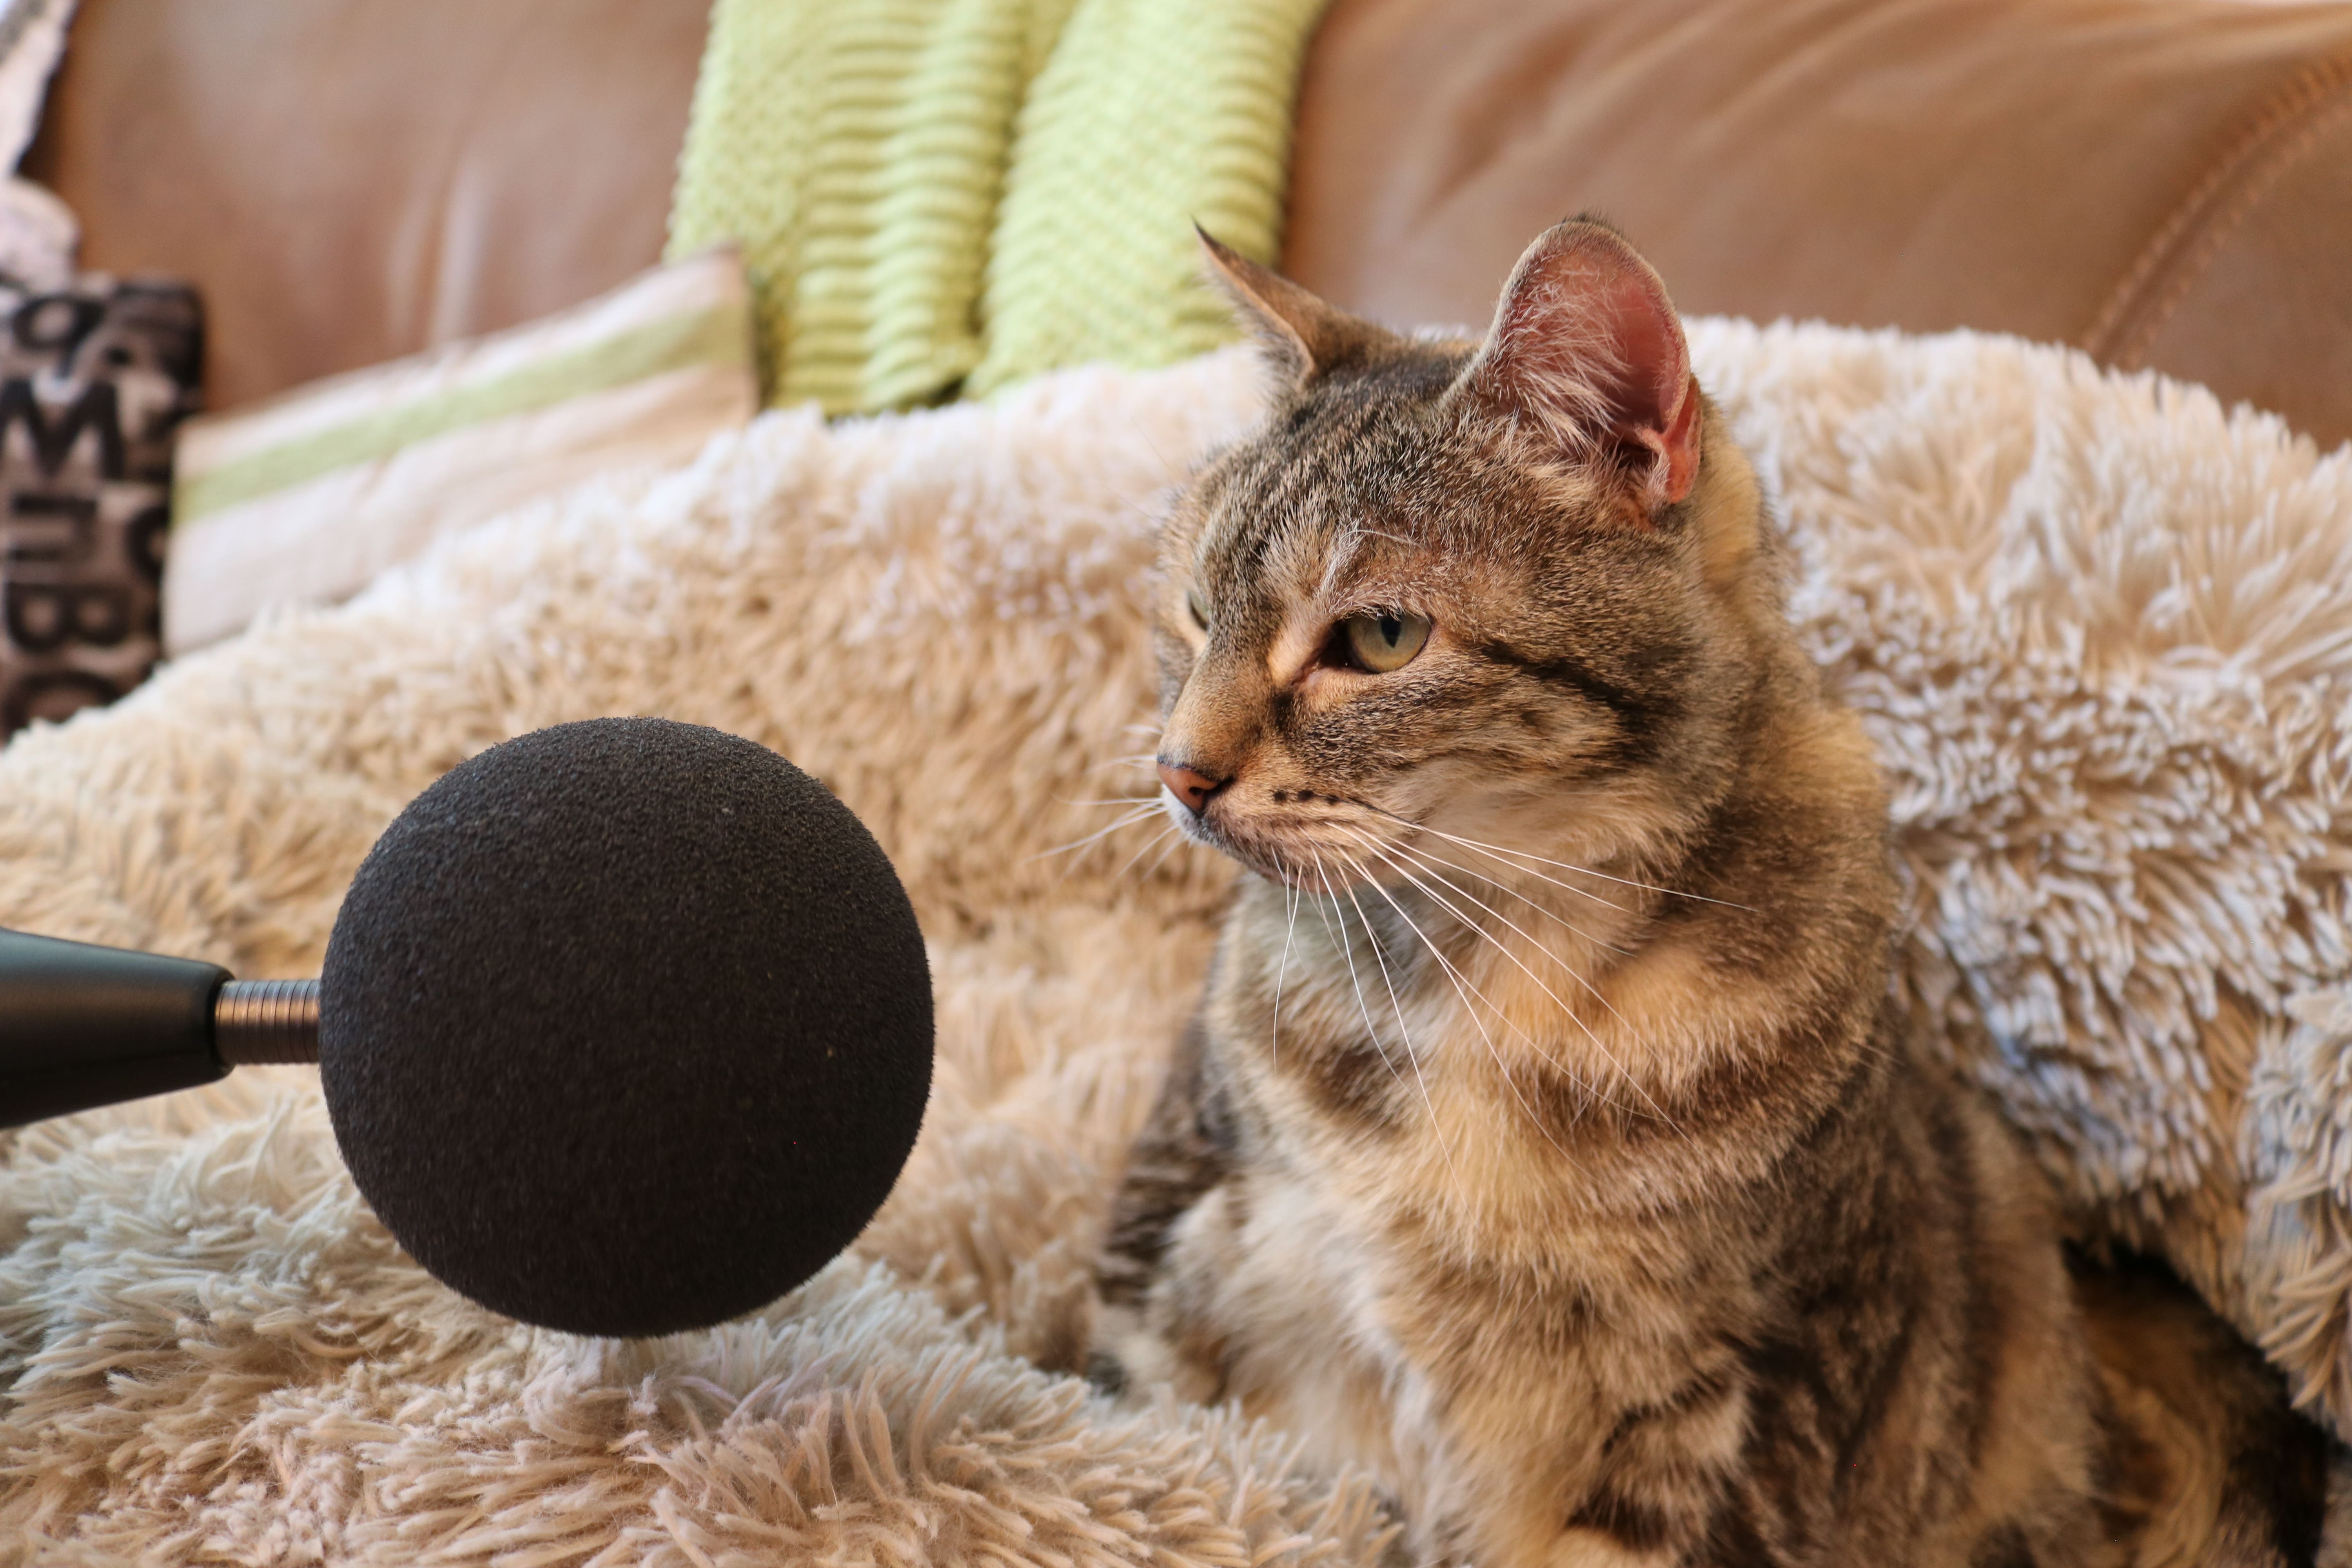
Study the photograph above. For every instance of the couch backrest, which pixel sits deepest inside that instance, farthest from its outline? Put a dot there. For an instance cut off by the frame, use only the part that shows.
(2165, 183)
(348, 179)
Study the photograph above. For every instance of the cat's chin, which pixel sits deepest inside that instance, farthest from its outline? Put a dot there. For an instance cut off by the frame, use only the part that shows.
(1300, 879)
(1303, 868)
(1251, 851)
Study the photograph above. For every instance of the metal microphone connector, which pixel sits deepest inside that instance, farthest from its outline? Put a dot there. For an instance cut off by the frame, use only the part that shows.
(261, 1021)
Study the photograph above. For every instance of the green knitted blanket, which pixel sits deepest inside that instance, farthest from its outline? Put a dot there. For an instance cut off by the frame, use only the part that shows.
(938, 198)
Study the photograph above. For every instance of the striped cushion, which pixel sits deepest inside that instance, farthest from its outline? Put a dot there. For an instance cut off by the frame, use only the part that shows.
(306, 496)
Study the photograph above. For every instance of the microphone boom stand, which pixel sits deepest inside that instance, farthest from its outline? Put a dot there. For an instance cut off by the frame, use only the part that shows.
(82, 1025)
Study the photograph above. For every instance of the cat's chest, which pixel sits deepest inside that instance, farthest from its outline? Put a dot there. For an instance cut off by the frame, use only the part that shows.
(1385, 1346)
(1301, 1293)
(1376, 1081)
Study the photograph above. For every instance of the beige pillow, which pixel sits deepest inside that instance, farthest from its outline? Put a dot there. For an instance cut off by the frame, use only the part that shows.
(302, 499)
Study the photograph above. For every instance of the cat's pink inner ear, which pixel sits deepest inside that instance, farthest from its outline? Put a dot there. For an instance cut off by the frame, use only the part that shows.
(1587, 344)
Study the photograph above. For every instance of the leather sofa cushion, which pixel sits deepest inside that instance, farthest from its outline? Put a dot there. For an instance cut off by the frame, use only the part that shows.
(2165, 183)
(346, 181)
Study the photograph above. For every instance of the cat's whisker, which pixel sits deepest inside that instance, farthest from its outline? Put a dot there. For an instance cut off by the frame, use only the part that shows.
(1397, 1006)
(1459, 982)
(1471, 926)
(1348, 952)
(1590, 1032)
(1492, 853)
(1598, 995)
(1512, 857)
(1282, 969)
(1141, 814)
(1507, 856)
(1175, 842)
(1607, 903)
(1428, 861)
(1320, 912)
(1526, 870)
(1155, 840)
(1150, 800)
(1594, 990)
(1131, 760)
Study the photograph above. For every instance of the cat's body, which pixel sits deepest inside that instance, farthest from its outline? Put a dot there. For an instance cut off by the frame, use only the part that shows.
(1547, 1142)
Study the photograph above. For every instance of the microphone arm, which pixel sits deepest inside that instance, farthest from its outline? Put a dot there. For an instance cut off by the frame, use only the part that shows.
(82, 1025)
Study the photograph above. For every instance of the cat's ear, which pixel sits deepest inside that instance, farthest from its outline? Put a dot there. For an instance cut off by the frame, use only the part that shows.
(1587, 347)
(1297, 332)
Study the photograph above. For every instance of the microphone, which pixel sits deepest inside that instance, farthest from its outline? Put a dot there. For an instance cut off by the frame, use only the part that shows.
(624, 1026)
(83, 1025)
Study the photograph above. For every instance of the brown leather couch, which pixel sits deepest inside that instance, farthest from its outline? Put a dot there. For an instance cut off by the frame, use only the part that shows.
(2166, 182)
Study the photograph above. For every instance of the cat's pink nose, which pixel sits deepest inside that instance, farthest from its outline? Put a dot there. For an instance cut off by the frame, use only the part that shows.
(1193, 789)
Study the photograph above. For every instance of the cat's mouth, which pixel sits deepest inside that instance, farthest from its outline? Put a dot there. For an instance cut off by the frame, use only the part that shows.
(1312, 842)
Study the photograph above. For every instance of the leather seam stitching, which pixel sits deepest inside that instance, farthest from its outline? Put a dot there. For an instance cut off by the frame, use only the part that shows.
(2181, 249)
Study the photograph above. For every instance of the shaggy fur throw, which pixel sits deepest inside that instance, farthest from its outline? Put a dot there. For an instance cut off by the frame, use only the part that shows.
(2098, 627)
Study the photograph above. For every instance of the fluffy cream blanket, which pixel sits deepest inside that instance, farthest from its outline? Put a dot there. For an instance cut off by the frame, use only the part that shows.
(2098, 627)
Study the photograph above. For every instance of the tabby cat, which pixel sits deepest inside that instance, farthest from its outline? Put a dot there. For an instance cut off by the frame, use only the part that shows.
(1547, 1142)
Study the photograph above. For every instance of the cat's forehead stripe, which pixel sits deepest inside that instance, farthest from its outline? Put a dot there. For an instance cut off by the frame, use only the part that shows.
(1290, 508)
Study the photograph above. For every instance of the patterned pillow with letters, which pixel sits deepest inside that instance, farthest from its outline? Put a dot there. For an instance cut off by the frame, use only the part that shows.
(93, 381)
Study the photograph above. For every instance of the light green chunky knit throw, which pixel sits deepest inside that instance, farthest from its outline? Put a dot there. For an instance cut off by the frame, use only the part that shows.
(938, 198)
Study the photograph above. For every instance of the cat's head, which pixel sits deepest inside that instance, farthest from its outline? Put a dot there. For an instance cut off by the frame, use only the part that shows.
(1518, 589)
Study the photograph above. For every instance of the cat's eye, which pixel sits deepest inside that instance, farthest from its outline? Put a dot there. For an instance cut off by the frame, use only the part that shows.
(1383, 640)
(1198, 606)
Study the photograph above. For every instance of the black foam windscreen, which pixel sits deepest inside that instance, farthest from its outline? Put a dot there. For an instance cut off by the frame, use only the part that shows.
(626, 1026)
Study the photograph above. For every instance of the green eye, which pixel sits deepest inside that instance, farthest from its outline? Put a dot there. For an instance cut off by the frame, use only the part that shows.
(1199, 607)
(1384, 640)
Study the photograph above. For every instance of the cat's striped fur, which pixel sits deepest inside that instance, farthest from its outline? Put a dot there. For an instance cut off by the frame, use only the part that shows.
(1547, 1142)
